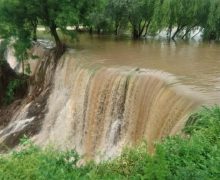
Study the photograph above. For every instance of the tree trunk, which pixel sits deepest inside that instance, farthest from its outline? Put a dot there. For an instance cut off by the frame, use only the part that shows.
(116, 28)
(35, 35)
(53, 31)
(34, 24)
(188, 31)
(176, 32)
(179, 28)
(23, 70)
(90, 30)
(98, 31)
(200, 30)
(135, 33)
(136, 27)
(77, 27)
(169, 32)
(147, 27)
(53, 27)
(141, 29)
(60, 48)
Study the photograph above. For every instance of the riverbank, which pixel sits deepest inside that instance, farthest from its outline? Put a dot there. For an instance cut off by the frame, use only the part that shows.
(194, 156)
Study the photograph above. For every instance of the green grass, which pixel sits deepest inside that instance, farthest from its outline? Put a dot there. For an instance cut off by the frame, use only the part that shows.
(195, 156)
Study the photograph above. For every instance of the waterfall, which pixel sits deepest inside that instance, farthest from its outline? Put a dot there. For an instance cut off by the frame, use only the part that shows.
(98, 110)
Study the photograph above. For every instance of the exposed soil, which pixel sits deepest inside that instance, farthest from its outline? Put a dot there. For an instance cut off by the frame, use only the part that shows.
(36, 110)
(6, 113)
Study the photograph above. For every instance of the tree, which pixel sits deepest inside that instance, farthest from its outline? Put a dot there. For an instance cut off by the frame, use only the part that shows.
(212, 28)
(85, 12)
(18, 27)
(140, 14)
(116, 9)
(168, 11)
(197, 15)
(53, 14)
(97, 17)
(185, 16)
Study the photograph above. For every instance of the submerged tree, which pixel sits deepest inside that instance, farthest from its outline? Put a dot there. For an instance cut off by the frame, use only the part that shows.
(140, 14)
(98, 18)
(117, 10)
(212, 28)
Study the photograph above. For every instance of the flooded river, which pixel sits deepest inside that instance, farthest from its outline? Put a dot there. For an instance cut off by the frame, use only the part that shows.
(109, 93)
(195, 64)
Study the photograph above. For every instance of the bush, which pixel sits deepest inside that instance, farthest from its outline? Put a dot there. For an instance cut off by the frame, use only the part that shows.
(196, 156)
(11, 90)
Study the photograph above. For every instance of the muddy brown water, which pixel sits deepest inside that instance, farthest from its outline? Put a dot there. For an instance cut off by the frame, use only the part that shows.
(111, 93)
(195, 64)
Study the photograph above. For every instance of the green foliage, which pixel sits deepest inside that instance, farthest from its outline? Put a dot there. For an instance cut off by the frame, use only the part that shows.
(3, 49)
(203, 120)
(196, 156)
(19, 18)
(11, 89)
(117, 11)
(15, 26)
(98, 19)
(33, 163)
(148, 17)
(211, 30)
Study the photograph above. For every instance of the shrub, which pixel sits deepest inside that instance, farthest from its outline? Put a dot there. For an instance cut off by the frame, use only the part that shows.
(11, 89)
(196, 156)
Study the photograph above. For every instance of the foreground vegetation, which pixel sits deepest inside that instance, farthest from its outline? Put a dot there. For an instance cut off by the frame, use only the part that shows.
(194, 156)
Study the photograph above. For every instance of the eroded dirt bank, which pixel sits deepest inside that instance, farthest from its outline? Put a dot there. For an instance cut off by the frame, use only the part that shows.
(25, 116)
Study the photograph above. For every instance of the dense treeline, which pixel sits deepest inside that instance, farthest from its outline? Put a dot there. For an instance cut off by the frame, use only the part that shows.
(140, 18)
(148, 17)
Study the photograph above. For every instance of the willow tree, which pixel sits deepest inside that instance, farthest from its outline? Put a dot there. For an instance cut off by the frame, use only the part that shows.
(190, 15)
(85, 12)
(116, 9)
(184, 14)
(162, 14)
(202, 11)
(212, 29)
(98, 19)
(140, 14)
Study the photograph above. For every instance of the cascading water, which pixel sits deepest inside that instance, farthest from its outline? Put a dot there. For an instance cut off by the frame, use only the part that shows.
(98, 110)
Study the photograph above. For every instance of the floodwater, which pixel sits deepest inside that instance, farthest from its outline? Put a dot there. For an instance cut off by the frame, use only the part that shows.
(140, 90)
(194, 64)
(110, 93)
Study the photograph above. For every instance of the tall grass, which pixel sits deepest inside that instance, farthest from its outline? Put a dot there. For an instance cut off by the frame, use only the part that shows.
(196, 156)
